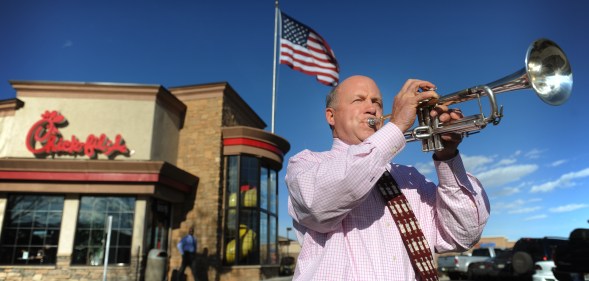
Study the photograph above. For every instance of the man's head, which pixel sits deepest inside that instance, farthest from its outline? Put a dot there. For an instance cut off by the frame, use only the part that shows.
(349, 105)
(191, 231)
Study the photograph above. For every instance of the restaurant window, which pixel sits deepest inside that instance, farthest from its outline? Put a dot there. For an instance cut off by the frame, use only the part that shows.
(251, 213)
(31, 230)
(90, 240)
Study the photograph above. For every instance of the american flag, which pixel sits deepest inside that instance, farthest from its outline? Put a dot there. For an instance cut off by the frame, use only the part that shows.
(305, 50)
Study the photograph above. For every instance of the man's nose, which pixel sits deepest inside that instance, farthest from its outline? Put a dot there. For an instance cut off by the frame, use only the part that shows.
(372, 108)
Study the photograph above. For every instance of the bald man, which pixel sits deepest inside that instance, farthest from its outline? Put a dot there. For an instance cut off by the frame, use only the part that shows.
(349, 229)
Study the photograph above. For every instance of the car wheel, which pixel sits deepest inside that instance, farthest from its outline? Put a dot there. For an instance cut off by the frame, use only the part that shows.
(522, 262)
(469, 274)
(454, 276)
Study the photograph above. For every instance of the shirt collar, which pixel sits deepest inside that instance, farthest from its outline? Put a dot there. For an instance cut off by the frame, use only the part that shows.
(339, 145)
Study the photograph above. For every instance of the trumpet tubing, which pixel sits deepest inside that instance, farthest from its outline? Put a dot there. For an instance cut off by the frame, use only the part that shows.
(547, 71)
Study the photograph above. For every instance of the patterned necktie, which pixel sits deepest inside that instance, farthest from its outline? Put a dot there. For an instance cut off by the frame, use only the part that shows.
(411, 234)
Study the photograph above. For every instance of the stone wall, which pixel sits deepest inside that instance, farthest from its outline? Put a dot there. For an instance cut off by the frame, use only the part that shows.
(249, 272)
(63, 271)
(200, 153)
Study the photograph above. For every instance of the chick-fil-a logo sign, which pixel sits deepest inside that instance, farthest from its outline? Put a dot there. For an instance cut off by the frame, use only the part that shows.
(44, 139)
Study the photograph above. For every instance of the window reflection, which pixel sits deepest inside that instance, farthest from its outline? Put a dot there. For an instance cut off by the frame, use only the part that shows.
(250, 218)
(273, 191)
(264, 188)
(90, 239)
(264, 238)
(31, 229)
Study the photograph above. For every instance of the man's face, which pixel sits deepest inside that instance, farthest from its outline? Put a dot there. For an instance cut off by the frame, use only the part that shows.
(358, 98)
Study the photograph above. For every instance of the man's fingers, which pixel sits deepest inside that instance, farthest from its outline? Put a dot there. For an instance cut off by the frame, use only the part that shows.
(456, 114)
(438, 110)
(415, 85)
(452, 137)
(446, 114)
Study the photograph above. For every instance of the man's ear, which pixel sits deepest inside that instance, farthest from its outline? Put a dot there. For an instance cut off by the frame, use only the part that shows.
(330, 116)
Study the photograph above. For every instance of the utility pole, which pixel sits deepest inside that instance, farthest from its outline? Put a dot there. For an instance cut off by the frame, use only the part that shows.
(288, 229)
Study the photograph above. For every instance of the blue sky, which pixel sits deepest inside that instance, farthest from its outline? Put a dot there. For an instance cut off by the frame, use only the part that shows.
(534, 164)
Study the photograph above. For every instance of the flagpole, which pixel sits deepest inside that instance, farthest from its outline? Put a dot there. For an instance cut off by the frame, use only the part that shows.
(274, 66)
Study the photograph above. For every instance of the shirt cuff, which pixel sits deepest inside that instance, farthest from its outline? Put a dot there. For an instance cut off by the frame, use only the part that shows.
(389, 140)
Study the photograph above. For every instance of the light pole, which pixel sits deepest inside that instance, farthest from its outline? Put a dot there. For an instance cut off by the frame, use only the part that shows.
(288, 229)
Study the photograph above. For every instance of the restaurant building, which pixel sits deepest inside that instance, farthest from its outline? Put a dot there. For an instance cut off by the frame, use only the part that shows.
(146, 163)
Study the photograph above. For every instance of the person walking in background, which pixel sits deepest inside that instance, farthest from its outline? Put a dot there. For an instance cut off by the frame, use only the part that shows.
(360, 216)
(187, 247)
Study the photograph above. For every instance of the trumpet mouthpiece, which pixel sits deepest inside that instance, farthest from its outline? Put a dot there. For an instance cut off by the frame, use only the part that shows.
(373, 121)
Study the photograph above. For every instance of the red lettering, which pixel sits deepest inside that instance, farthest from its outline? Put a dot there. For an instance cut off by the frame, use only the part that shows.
(44, 139)
(117, 146)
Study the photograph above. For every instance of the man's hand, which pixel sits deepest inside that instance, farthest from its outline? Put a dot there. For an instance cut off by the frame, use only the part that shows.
(449, 140)
(407, 100)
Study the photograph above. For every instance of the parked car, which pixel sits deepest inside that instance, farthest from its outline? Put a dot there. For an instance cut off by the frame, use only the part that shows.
(543, 271)
(496, 268)
(528, 251)
(287, 266)
(572, 259)
(456, 267)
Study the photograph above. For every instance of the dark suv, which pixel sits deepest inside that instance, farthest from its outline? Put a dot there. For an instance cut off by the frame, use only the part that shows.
(527, 251)
(572, 259)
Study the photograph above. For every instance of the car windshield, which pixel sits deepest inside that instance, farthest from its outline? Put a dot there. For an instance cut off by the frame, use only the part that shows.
(480, 252)
(287, 261)
(503, 253)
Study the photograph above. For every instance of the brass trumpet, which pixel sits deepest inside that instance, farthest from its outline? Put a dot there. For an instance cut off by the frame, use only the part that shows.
(547, 71)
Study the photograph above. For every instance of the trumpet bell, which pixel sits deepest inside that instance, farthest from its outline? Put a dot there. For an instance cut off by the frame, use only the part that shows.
(549, 72)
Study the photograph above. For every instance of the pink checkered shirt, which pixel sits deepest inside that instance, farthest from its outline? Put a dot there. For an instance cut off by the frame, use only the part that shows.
(343, 224)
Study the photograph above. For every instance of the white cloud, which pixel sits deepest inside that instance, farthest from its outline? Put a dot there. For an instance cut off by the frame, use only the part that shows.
(563, 181)
(568, 208)
(507, 174)
(508, 191)
(545, 187)
(518, 206)
(425, 168)
(533, 154)
(557, 163)
(538, 217)
(524, 210)
(67, 44)
(504, 162)
(511, 190)
(476, 163)
(574, 175)
(511, 205)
